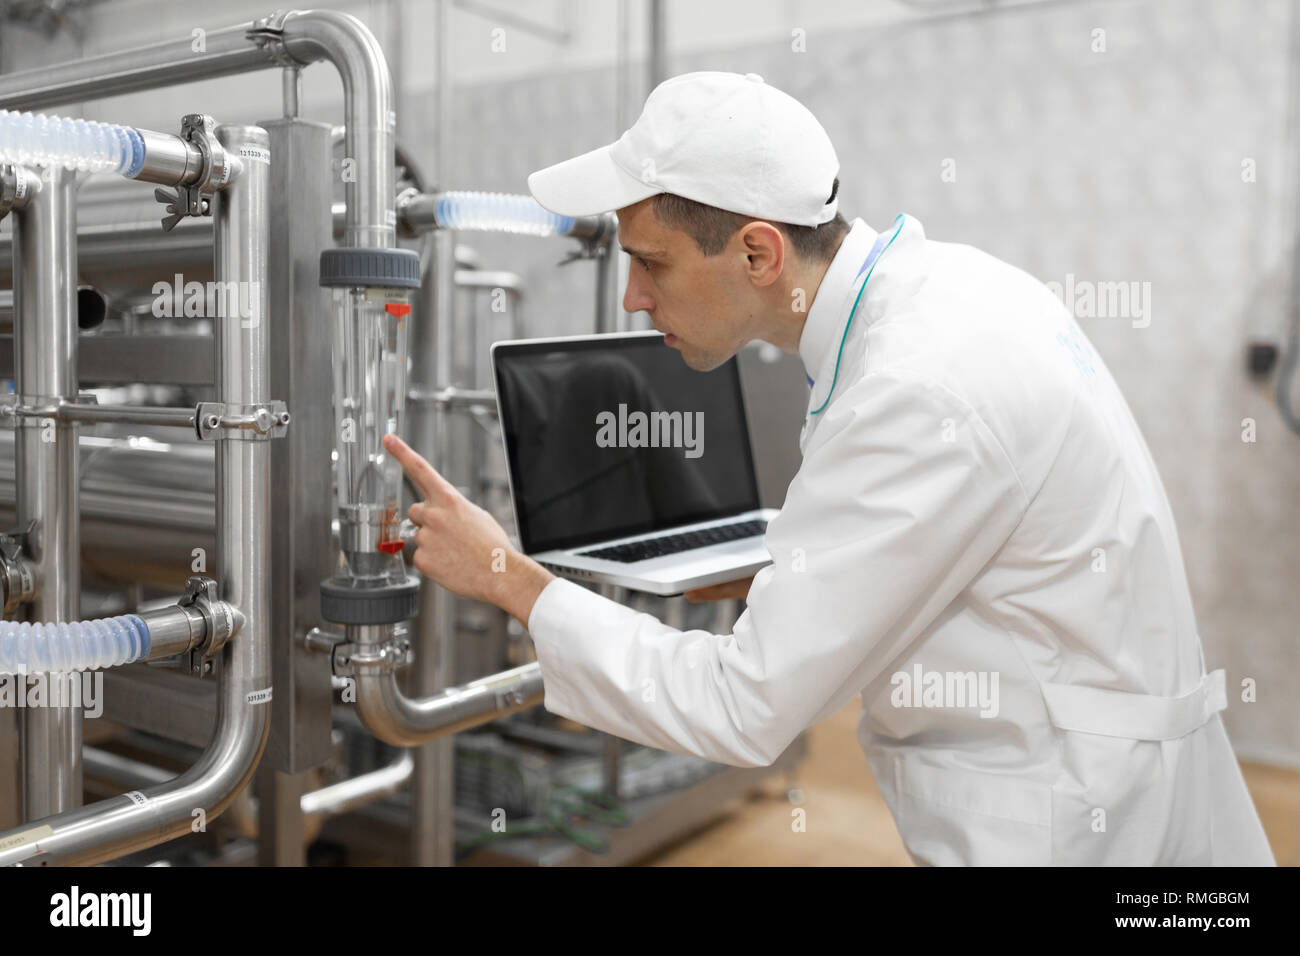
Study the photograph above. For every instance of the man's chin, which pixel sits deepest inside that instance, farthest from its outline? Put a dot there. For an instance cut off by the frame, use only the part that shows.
(699, 361)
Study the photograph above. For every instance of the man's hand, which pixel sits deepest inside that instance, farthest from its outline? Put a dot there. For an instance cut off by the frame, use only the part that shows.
(726, 591)
(461, 546)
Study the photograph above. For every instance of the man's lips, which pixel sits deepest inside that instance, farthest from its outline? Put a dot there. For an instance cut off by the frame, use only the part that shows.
(670, 339)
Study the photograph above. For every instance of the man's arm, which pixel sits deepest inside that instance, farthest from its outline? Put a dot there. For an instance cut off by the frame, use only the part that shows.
(903, 497)
(519, 593)
(462, 547)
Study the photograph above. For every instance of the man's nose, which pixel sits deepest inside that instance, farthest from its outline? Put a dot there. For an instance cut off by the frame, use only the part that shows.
(636, 298)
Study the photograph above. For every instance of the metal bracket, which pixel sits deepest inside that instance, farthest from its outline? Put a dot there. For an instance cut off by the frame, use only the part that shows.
(192, 200)
(217, 421)
(268, 34)
(16, 577)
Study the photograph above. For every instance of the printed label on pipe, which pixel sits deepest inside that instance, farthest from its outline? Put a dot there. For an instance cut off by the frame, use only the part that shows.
(256, 153)
(27, 836)
(136, 797)
(259, 696)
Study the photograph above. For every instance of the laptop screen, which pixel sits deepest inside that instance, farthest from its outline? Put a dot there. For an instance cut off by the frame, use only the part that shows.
(613, 435)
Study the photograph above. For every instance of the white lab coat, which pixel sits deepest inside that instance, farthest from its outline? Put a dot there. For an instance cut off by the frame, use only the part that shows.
(976, 499)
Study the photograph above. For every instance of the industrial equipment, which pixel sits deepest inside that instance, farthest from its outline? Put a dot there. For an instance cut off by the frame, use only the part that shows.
(199, 513)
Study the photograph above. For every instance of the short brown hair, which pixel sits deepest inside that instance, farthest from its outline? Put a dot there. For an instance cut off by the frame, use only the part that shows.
(712, 228)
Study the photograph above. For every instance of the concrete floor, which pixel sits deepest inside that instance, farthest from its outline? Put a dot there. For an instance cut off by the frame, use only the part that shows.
(847, 822)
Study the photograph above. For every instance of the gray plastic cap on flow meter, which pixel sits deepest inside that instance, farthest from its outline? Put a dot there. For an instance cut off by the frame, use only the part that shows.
(373, 268)
(387, 604)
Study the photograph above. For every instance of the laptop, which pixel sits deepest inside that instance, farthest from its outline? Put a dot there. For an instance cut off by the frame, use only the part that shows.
(626, 466)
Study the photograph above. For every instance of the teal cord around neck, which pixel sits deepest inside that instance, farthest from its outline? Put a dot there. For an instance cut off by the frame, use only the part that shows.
(845, 337)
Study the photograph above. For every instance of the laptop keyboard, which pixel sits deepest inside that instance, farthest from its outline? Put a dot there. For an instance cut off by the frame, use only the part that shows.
(676, 543)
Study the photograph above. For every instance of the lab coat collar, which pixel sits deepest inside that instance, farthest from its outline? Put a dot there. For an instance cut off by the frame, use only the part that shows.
(824, 327)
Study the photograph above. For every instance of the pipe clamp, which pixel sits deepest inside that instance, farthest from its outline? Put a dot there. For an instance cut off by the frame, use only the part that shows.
(192, 200)
(216, 421)
(348, 659)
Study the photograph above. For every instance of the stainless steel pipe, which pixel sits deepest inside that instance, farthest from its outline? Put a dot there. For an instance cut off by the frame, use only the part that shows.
(369, 120)
(433, 775)
(360, 790)
(125, 773)
(169, 160)
(128, 415)
(305, 36)
(91, 413)
(168, 63)
(403, 722)
(335, 798)
(45, 466)
(124, 824)
(173, 630)
(610, 316)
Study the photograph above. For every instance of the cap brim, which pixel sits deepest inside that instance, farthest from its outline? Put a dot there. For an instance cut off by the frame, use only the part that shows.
(587, 185)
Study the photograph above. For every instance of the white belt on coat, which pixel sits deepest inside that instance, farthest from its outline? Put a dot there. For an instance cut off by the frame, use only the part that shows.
(1115, 713)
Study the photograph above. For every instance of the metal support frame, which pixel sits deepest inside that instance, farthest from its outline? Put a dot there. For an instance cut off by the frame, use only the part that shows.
(432, 832)
(46, 478)
(291, 40)
(302, 492)
(209, 420)
(433, 776)
(132, 822)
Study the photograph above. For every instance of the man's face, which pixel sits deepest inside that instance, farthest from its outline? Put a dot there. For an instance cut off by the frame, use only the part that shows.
(701, 302)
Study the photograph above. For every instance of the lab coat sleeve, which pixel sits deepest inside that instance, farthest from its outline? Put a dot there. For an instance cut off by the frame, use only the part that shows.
(903, 496)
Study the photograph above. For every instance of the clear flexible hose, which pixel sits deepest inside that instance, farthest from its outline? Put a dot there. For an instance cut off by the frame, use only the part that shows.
(34, 139)
(27, 648)
(499, 212)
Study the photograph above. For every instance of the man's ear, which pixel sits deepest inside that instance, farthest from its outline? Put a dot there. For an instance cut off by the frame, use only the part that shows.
(764, 248)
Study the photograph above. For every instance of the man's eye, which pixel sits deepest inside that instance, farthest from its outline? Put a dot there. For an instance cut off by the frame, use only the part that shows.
(644, 265)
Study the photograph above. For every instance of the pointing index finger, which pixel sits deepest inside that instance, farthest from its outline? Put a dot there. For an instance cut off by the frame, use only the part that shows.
(419, 470)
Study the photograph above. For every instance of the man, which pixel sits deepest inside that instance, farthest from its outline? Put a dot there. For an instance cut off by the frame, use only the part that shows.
(977, 541)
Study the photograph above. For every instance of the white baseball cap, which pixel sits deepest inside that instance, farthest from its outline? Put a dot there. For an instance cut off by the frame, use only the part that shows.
(722, 139)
